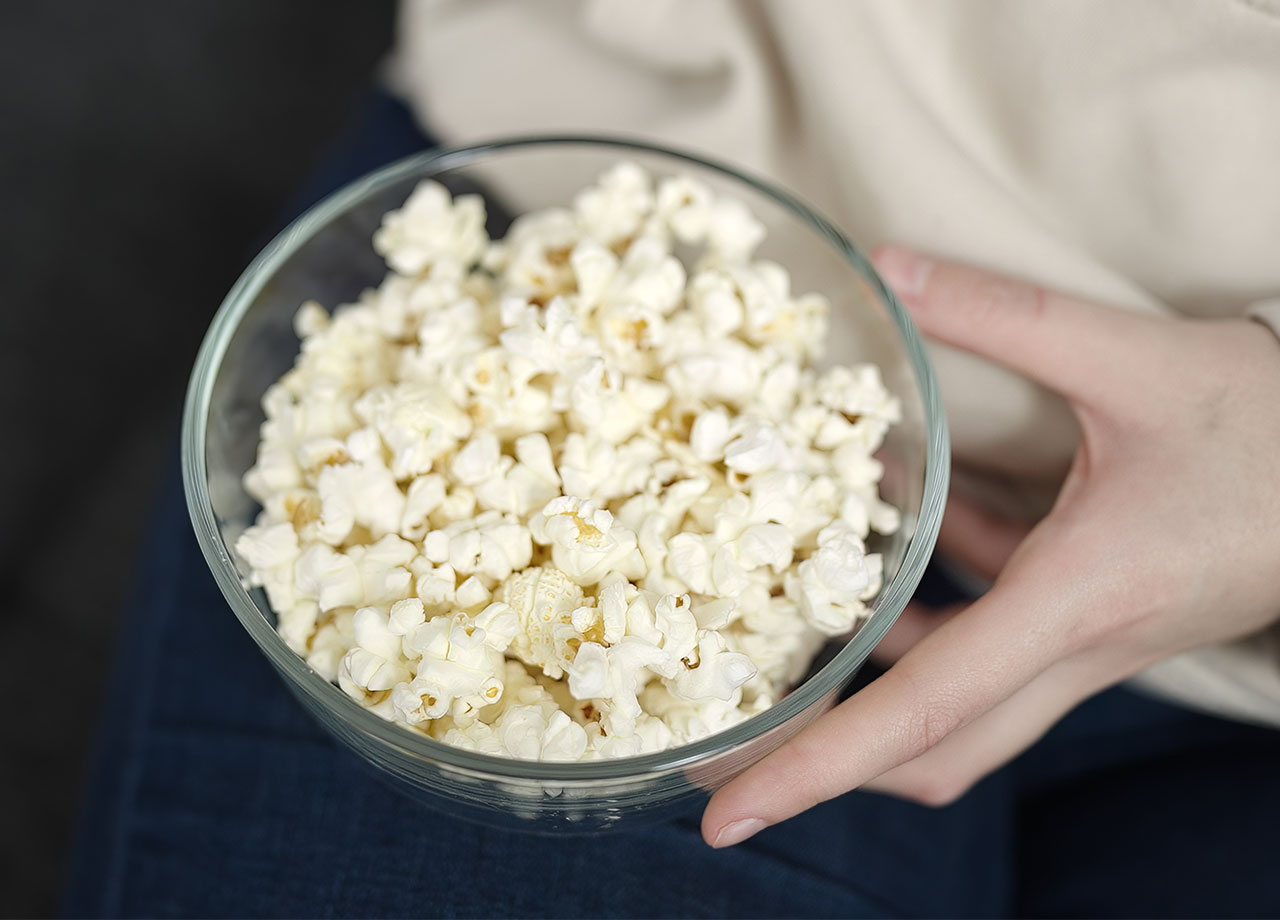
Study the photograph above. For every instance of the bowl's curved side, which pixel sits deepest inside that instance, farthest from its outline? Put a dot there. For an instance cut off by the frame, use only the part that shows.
(420, 761)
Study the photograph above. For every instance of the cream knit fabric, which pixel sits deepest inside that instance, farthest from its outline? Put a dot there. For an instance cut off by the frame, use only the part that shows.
(1126, 152)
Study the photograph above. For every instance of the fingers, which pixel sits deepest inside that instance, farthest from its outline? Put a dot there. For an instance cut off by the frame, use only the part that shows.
(955, 674)
(949, 769)
(977, 538)
(1080, 349)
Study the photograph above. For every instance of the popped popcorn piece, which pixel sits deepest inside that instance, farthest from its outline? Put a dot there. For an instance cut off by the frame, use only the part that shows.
(714, 672)
(759, 448)
(457, 672)
(358, 494)
(432, 228)
(270, 551)
(417, 423)
(373, 667)
(585, 542)
(827, 586)
(685, 205)
(491, 545)
(733, 232)
(543, 599)
(613, 209)
(424, 495)
(569, 495)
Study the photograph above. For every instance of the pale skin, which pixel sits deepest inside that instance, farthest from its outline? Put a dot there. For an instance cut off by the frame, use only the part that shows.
(1163, 538)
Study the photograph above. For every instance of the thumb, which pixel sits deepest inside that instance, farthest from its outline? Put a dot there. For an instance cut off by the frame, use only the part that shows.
(1080, 349)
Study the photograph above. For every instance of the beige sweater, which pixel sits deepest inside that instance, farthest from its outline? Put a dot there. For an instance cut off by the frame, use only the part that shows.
(1124, 151)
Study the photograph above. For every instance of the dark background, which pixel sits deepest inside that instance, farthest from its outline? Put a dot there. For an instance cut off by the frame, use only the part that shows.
(148, 147)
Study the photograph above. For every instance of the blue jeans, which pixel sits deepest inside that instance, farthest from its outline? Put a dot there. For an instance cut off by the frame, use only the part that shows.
(214, 794)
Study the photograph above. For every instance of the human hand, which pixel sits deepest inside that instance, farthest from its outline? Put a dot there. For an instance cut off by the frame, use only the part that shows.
(1163, 538)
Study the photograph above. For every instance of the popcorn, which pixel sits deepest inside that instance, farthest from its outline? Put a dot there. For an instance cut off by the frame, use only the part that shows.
(297, 624)
(417, 423)
(733, 232)
(328, 577)
(543, 600)
(382, 570)
(827, 586)
(685, 205)
(405, 616)
(710, 435)
(759, 448)
(585, 542)
(491, 545)
(566, 496)
(270, 551)
(373, 667)
(456, 672)
(424, 495)
(358, 494)
(612, 405)
(614, 209)
(714, 673)
(727, 371)
(532, 733)
(432, 228)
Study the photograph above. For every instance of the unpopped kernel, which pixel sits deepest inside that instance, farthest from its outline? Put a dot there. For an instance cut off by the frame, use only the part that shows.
(565, 495)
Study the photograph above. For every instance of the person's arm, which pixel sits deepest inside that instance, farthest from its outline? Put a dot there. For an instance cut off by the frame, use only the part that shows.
(1164, 538)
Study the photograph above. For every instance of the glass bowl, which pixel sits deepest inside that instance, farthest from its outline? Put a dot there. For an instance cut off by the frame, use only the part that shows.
(326, 254)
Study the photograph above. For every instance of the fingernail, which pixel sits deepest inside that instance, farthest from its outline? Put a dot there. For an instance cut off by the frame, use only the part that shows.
(907, 272)
(737, 831)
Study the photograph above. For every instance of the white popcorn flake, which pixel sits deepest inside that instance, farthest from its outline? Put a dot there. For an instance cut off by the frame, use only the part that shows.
(500, 624)
(311, 319)
(432, 227)
(328, 577)
(358, 494)
(572, 494)
(685, 204)
(759, 448)
(590, 675)
(418, 424)
(718, 370)
(297, 624)
(472, 593)
(490, 545)
(479, 460)
(710, 434)
(374, 665)
(615, 208)
(406, 616)
(764, 545)
(270, 551)
(714, 672)
(331, 641)
(425, 495)
(733, 232)
(689, 559)
(585, 542)
(650, 277)
(543, 599)
(549, 339)
(828, 585)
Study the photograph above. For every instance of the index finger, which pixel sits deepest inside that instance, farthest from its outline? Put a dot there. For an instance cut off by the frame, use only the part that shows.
(952, 676)
(1073, 346)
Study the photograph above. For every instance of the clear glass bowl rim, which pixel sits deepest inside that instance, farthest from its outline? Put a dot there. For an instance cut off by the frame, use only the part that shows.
(886, 608)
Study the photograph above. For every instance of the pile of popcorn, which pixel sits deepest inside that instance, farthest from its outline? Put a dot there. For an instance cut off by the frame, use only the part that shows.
(566, 495)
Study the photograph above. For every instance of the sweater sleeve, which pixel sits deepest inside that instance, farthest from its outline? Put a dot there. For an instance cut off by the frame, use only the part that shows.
(1266, 312)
